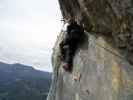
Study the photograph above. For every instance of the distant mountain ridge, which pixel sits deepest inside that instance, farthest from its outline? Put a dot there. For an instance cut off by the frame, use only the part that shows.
(21, 82)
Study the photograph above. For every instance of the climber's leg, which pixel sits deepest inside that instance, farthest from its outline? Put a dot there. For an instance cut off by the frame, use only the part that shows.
(67, 61)
(69, 58)
(63, 48)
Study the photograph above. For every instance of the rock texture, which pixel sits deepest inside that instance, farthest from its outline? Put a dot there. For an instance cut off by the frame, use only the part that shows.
(113, 18)
(103, 64)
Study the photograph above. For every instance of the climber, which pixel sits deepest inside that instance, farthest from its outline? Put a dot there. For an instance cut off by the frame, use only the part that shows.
(69, 44)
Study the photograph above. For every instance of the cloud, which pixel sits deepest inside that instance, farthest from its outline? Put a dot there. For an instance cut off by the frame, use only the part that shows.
(26, 26)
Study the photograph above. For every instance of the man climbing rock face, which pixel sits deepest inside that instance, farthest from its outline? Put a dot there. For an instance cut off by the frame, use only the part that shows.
(69, 44)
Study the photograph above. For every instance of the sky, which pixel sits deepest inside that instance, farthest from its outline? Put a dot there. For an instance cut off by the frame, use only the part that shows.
(28, 31)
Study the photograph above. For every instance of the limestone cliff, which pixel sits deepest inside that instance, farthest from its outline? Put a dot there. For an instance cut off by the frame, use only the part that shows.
(103, 64)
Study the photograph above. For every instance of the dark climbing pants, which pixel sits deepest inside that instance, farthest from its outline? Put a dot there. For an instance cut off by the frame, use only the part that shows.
(68, 48)
(68, 52)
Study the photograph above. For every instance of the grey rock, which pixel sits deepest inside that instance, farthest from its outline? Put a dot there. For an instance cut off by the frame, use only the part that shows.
(102, 70)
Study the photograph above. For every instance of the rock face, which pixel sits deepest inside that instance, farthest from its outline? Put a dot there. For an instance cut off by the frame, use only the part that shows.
(103, 64)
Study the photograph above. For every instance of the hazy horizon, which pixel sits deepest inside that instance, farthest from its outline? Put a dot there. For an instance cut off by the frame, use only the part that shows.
(28, 30)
